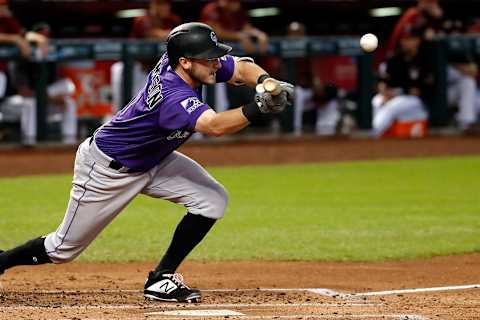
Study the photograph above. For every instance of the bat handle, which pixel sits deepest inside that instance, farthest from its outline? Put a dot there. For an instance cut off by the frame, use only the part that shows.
(272, 86)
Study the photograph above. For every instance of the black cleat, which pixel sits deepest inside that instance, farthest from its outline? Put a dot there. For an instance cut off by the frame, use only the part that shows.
(169, 286)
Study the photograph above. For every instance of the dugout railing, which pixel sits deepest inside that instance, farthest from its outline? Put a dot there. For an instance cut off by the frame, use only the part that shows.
(62, 50)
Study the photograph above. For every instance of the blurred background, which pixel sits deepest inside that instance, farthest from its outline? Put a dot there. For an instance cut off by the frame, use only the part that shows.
(322, 17)
(67, 66)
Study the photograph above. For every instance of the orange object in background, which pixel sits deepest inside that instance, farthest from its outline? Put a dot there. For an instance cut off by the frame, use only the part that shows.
(407, 129)
(92, 82)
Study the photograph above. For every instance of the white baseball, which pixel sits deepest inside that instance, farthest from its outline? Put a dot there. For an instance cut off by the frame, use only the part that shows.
(369, 42)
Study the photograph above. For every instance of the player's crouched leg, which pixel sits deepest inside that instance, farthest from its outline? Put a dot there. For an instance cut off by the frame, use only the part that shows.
(205, 206)
(214, 204)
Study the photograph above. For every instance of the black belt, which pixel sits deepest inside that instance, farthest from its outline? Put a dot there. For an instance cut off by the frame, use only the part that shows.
(114, 164)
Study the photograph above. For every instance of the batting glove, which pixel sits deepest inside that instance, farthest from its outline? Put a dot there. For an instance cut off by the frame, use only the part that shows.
(289, 89)
(271, 104)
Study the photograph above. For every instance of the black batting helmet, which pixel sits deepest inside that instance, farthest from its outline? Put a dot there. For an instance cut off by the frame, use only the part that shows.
(194, 40)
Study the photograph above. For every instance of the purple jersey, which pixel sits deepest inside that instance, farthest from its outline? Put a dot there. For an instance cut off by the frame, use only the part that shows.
(158, 120)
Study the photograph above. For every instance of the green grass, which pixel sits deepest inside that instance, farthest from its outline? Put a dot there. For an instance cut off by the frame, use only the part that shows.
(351, 211)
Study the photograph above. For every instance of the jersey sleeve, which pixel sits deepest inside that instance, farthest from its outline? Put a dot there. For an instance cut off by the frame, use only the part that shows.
(182, 112)
(225, 73)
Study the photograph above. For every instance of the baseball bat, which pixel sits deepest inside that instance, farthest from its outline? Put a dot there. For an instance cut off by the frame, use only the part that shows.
(272, 86)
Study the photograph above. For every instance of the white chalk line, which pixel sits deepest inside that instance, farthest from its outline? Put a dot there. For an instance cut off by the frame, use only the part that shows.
(198, 313)
(320, 291)
(162, 314)
(416, 290)
(175, 306)
(82, 307)
(312, 316)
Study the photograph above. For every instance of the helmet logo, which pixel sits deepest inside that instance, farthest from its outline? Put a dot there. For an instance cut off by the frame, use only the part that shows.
(213, 36)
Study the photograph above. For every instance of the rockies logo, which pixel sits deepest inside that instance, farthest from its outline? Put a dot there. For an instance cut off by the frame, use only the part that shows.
(213, 36)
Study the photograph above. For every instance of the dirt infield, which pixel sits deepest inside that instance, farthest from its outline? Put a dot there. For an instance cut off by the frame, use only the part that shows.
(253, 290)
(14, 162)
(257, 290)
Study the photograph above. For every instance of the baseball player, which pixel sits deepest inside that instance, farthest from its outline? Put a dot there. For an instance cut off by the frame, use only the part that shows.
(134, 153)
(406, 78)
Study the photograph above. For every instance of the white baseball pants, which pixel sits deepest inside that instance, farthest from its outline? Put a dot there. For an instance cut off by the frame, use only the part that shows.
(302, 102)
(26, 109)
(100, 193)
(462, 91)
(402, 107)
(328, 115)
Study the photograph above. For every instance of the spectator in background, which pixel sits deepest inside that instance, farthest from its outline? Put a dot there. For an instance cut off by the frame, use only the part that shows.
(139, 74)
(406, 80)
(474, 29)
(461, 71)
(303, 102)
(22, 102)
(231, 23)
(427, 14)
(314, 99)
(12, 32)
(17, 94)
(156, 24)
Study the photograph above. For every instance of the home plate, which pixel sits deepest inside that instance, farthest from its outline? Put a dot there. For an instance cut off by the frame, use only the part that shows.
(197, 313)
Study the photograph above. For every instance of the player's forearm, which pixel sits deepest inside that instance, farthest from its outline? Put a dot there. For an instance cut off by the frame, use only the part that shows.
(229, 121)
(248, 73)
(222, 123)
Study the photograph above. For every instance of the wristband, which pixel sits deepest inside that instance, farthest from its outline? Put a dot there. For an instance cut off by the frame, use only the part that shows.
(262, 77)
(251, 111)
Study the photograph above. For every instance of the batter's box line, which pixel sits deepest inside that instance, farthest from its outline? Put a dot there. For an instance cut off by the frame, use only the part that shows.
(237, 315)
(319, 291)
(174, 306)
(417, 290)
(201, 311)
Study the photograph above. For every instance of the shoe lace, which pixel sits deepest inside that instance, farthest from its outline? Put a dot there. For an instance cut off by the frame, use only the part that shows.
(178, 279)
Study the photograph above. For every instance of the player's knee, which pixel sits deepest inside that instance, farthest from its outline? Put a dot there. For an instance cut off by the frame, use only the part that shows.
(217, 203)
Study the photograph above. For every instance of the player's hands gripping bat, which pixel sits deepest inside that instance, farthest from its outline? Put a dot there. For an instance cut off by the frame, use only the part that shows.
(275, 87)
(268, 103)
